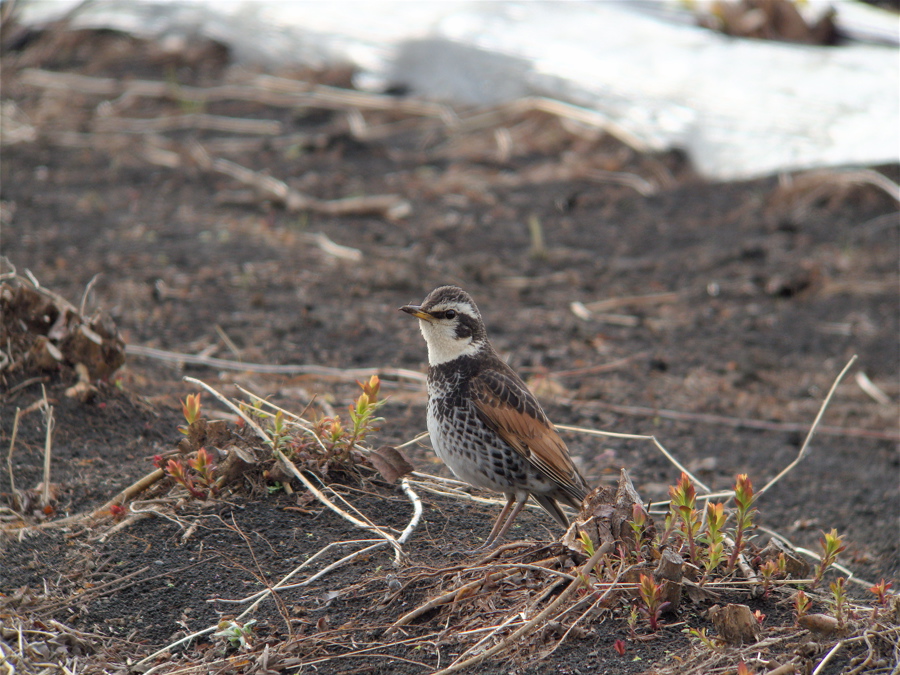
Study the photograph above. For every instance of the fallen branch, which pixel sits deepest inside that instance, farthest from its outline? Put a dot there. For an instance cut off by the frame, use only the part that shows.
(198, 121)
(125, 495)
(269, 187)
(737, 422)
(263, 89)
(270, 369)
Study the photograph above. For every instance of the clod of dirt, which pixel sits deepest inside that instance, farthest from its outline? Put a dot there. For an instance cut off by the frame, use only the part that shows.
(735, 624)
(605, 516)
(820, 624)
(237, 462)
(45, 332)
(795, 566)
(669, 573)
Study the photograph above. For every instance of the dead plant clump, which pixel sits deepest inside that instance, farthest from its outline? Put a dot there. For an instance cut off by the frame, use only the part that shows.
(683, 572)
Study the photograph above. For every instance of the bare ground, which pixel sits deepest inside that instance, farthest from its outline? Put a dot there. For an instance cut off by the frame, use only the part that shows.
(760, 292)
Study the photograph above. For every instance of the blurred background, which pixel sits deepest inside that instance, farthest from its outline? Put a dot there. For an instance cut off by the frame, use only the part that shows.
(677, 218)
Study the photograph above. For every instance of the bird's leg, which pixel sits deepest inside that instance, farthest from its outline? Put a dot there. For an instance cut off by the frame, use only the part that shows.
(504, 520)
(495, 531)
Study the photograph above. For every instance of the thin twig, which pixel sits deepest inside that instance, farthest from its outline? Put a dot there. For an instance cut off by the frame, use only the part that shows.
(281, 585)
(513, 615)
(371, 527)
(24, 384)
(834, 650)
(851, 577)
(321, 573)
(871, 388)
(742, 563)
(812, 429)
(630, 301)
(169, 647)
(48, 452)
(249, 421)
(195, 121)
(640, 437)
(125, 495)
(298, 419)
(417, 513)
(265, 89)
(87, 291)
(261, 577)
(9, 455)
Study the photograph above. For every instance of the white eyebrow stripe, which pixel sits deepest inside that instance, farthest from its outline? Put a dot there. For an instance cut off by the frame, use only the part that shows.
(465, 307)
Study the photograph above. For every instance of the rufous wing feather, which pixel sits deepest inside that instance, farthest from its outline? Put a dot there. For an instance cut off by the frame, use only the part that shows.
(507, 406)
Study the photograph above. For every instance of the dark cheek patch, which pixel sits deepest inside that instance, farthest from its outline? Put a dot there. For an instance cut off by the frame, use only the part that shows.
(464, 328)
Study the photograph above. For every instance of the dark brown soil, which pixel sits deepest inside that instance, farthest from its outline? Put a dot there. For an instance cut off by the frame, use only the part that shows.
(774, 286)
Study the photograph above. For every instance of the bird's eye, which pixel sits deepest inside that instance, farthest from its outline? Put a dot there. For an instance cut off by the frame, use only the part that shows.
(450, 314)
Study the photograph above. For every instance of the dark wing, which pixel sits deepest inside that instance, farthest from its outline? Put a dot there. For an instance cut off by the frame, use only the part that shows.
(507, 406)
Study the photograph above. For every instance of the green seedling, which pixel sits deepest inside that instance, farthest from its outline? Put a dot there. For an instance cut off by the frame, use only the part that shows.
(651, 595)
(363, 420)
(279, 435)
(633, 616)
(683, 498)
(205, 469)
(802, 604)
(880, 590)
(238, 636)
(587, 545)
(832, 543)
(714, 537)
(200, 481)
(770, 570)
(362, 414)
(637, 524)
(838, 599)
(190, 408)
(708, 641)
(744, 512)
(331, 441)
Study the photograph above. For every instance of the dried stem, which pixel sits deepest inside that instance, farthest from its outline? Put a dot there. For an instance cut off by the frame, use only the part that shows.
(640, 437)
(812, 430)
(9, 455)
(48, 452)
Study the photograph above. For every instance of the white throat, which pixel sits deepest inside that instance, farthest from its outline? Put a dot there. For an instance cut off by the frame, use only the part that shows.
(443, 345)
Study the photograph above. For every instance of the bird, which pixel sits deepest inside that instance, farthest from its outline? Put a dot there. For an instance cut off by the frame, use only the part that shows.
(484, 422)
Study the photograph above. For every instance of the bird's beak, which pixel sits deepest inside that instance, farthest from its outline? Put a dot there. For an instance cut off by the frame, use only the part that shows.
(417, 312)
